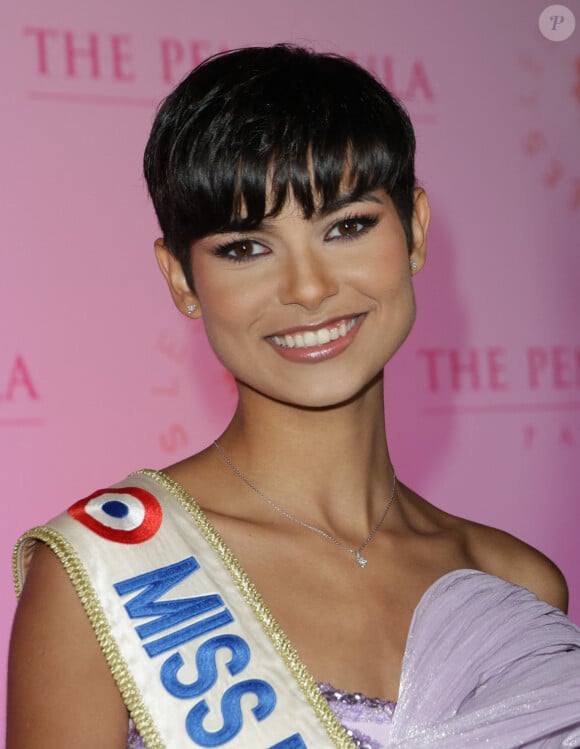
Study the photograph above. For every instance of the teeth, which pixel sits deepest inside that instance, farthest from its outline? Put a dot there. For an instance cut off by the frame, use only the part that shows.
(314, 337)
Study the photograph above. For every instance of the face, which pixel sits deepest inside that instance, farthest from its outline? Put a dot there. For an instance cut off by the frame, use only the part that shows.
(308, 311)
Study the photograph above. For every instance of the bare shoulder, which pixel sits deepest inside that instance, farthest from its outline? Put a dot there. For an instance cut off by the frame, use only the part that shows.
(60, 690)
(506, 556)
(490, 550)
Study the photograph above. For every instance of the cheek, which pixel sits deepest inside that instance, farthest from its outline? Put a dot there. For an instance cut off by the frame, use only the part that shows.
(229, 313)
(391, 289)
(224, 342)
(218, 313)
(386, 273)
(220, 323)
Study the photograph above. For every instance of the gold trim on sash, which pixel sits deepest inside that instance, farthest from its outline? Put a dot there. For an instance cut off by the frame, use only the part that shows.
(80, 580)
(336, 732)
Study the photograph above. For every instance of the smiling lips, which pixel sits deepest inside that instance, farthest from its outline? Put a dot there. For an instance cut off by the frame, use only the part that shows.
(313, 345)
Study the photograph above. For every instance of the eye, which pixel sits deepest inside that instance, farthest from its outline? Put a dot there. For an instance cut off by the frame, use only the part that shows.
(350, 227)
(243, 249)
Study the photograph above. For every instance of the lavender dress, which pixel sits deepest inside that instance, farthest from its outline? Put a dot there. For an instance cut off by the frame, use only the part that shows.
(486, 665)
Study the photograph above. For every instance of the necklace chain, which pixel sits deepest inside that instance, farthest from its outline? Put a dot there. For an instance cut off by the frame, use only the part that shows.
(357, 553)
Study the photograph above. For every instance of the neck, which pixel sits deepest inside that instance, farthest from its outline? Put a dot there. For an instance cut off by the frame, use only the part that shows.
(329, 466)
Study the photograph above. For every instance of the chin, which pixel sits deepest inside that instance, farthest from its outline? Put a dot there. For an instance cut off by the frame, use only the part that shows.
(325, 397)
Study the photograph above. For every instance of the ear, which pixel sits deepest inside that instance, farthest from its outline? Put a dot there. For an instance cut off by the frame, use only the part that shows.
(419, 226)
(172, 271)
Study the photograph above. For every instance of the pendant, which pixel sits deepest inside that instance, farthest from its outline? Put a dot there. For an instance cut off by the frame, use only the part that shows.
(361, 561)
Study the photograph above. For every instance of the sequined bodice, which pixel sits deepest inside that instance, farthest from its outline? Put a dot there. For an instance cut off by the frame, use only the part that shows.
(366, 719)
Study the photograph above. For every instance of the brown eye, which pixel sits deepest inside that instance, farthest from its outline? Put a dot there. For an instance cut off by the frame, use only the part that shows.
(348, 227)
(351, 227)
(243, 249)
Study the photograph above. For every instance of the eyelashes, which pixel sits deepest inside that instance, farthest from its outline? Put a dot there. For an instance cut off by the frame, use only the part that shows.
(351, 227)
(347, 229)
(241, 250)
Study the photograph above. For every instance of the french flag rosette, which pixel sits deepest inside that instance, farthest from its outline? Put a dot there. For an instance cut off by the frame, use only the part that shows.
(127, 515)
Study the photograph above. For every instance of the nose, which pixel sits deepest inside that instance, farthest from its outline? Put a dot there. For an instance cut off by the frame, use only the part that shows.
(307, 280)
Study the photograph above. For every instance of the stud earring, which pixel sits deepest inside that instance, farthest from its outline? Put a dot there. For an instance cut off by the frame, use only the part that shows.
(413, 265)
(190, 309)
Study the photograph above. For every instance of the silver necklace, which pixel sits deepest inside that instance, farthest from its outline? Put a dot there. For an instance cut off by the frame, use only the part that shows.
(357, 553)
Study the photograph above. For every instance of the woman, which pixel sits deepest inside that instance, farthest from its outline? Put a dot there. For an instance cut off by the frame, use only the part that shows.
(292, 226)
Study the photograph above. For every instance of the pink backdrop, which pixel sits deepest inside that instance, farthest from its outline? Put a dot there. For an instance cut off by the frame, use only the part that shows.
(98, 373)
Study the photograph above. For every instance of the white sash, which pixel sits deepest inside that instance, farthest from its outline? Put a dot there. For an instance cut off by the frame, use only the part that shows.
(196, 654)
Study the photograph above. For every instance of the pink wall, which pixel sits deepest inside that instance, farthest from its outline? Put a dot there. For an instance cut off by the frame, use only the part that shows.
(98, 373)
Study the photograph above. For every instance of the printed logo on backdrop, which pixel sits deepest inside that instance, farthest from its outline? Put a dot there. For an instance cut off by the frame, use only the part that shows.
(531, 383)
(174, 437)
(118, 68)
(545, 143)
(177, 358)
(408, 80)
(20, 402)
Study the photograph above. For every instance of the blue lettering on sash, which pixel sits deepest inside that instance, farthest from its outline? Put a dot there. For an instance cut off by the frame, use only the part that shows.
(172, 641)
(231, 710)
(166, 614)
(206, 666)
(169, 613)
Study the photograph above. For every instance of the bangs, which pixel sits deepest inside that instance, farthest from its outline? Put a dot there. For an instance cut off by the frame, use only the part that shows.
(249, 129)
(254, 177)
(314, 177)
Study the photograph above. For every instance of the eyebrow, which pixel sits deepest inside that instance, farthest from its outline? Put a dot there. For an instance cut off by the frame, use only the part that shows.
(241, 225)
(344, 200)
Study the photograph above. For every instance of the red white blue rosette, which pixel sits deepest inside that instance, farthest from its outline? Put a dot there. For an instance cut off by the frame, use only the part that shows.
(128, 515)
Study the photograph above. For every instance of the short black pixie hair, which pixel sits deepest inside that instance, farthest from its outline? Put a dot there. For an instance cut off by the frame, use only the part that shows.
(248, 126)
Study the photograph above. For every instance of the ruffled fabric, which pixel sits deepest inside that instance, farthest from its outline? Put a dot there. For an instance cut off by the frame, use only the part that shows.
(487, 664)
